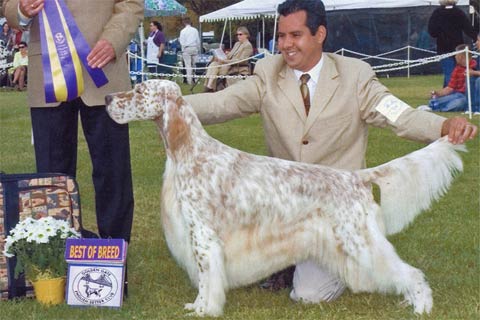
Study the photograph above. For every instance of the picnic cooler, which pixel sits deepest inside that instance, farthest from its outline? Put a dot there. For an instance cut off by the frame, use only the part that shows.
(33, 195)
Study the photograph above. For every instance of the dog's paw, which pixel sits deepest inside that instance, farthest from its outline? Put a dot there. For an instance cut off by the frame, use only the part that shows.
(196, 314)
(420, 298)
(189, 306)
(198, 311)
(423, 301)
(201, 311)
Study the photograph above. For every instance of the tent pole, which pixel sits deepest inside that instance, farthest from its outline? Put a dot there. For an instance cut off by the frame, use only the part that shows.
(142, 50)
(230, 31)
(275, 30)
(201, 36)
(263, 36)
(223, 34)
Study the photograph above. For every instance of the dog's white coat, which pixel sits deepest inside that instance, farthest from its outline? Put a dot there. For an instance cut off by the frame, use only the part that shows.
(231, 218)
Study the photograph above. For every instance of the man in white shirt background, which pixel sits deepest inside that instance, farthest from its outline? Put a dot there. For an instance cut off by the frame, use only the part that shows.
(190, 41)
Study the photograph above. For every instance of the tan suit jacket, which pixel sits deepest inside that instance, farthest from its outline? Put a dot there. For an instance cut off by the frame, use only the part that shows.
(336, 130)
(240, 51)
(113, 20)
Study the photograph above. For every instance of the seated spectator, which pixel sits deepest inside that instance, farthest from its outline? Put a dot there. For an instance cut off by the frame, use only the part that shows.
(19, 69)
(475, 87)
(241, 51)
(452, 97)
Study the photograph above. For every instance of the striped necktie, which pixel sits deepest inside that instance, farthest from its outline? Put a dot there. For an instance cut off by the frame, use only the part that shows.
(305, 92)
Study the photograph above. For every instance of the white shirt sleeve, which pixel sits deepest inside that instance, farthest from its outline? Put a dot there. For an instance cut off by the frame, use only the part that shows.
(22, 19)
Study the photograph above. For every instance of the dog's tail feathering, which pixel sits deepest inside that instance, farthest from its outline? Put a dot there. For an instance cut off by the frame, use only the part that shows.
(408, 185)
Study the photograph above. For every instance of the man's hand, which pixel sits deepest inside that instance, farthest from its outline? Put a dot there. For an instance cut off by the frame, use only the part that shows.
(30, 8)
(101, 54)
(458, 130)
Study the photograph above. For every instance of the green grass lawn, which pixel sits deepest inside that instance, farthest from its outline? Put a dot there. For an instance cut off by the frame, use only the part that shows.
(443, 242)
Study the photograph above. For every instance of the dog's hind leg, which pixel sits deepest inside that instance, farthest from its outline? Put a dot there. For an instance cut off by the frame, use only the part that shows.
(388, 272)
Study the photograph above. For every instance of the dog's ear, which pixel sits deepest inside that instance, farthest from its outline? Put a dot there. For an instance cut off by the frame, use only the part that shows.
(180, 102)
(177, 130)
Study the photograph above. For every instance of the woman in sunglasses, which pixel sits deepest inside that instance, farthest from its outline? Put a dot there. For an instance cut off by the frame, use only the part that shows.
(236, 61)
(20, 63)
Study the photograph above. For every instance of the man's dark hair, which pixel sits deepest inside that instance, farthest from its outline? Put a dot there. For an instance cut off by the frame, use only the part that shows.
(315, 10)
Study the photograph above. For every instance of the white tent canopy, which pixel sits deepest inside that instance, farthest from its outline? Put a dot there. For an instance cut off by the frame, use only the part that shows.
(249, 9)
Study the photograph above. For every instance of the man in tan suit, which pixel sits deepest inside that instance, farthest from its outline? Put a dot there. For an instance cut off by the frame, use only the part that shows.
(343, 98)
(108, 26)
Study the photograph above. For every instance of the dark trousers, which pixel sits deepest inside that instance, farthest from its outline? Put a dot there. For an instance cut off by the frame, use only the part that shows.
(55, 139)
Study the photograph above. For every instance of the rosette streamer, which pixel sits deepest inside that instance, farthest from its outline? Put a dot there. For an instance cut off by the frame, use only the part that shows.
(64, 50)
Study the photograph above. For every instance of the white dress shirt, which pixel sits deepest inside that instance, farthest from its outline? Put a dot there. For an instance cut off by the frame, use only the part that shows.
(189, 37)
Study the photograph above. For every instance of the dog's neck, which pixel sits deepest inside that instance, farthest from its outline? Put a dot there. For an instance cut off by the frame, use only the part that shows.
(182, 132)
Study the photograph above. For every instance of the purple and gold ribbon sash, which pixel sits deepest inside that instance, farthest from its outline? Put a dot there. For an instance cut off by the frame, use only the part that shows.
(64, 49)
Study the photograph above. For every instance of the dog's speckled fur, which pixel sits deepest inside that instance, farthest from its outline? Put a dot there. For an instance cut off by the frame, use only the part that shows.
(231, 218)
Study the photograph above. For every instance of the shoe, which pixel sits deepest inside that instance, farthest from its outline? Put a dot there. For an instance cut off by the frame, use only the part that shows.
(424, 107)
(476, 113)
(280, 280)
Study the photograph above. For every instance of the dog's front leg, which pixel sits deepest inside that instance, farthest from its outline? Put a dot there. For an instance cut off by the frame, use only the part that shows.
(209, 259)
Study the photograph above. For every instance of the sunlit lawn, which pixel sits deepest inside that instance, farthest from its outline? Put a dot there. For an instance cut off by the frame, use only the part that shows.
(443, 242)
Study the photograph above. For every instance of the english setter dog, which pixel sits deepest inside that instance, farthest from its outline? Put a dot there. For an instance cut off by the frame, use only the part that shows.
(231, 218)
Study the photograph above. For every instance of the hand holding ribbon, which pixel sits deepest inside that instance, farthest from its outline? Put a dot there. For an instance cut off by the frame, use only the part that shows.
(30, 8)
(101, 54)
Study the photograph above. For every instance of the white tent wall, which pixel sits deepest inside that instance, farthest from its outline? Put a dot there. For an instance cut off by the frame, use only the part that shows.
(369, 27)
(248, 9)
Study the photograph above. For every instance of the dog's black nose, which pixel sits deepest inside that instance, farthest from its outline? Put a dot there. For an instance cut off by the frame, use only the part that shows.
(108, 99)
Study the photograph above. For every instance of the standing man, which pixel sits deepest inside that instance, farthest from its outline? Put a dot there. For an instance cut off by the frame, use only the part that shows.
(316, 107)
(190, 41)
(108, 26)
(155, 46)
(447, 24)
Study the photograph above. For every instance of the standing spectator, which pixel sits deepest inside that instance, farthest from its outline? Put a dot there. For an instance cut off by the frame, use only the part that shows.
(475, 21)
(108, 26)
(155, 46)
(316, 107)
(17, 36)
(190, 42)
(6, 36)
(20, 64)
(447, 24)
(475, 16)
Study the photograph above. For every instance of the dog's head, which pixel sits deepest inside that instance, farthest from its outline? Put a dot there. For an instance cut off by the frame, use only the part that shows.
(147, 101)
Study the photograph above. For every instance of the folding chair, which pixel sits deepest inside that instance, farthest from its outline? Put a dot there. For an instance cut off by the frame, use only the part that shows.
(203, 60)
(168, 59)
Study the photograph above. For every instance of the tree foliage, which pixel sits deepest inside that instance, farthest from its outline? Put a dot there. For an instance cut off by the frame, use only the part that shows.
(200, 7)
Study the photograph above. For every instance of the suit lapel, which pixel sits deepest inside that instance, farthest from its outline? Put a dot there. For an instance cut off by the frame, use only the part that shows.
(326, 86)
(290, 88)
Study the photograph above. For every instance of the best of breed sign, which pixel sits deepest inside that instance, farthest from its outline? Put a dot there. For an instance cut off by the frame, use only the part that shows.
(96, 272)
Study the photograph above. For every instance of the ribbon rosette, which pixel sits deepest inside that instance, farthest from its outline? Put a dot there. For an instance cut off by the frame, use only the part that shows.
(64, 50)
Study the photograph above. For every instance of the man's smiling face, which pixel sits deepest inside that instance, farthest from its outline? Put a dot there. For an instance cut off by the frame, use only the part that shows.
(300, 49)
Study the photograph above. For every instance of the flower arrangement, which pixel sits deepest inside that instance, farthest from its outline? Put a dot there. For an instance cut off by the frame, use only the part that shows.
(39, 245)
